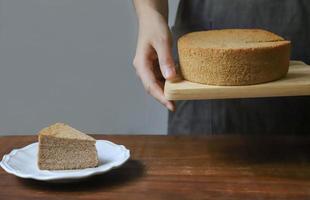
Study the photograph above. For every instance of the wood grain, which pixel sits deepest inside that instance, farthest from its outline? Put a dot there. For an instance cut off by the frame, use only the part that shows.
(296, 83)
(183, 167)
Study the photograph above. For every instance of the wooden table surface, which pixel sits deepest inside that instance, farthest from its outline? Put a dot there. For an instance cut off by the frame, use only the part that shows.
(169, 167)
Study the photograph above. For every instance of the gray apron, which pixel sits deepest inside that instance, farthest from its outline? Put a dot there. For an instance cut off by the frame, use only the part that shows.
(280, 115)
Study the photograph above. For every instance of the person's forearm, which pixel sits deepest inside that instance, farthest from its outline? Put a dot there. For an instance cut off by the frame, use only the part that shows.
(146, 7)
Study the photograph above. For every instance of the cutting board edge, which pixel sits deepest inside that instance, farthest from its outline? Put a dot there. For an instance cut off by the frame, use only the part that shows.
(200, 93)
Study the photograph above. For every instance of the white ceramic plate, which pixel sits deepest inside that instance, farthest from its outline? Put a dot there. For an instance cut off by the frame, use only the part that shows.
(23, 163)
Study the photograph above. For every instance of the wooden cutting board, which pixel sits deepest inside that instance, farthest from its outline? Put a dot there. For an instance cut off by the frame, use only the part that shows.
(296, 83)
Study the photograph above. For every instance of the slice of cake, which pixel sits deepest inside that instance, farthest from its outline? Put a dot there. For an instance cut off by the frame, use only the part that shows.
(62, 147)
(233, 56)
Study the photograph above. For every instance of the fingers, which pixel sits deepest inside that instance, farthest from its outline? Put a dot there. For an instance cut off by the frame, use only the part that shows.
(164, 52)
(153, 86)
(155, 89)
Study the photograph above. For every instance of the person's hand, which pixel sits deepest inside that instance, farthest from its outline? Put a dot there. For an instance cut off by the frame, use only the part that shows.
(153, 60)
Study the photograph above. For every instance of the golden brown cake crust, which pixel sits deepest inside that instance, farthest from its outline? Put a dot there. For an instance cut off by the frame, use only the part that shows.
(233, 56)
(64, 131)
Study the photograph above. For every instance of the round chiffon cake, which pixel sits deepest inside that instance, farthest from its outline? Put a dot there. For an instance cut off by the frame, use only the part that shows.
(233, 56)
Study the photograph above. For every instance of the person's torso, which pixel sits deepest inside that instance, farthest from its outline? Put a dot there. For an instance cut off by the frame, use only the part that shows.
(288, 18)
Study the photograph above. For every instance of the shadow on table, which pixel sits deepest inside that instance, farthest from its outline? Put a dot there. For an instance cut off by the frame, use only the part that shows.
(130, 171)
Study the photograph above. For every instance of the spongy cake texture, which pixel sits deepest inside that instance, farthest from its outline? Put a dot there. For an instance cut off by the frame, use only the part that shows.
(62, 147)
(233, 56)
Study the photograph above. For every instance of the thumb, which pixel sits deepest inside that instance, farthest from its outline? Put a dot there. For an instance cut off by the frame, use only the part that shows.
(165, 59)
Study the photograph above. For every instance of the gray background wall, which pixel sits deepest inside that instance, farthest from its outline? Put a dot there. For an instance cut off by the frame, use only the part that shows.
(70, 61)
